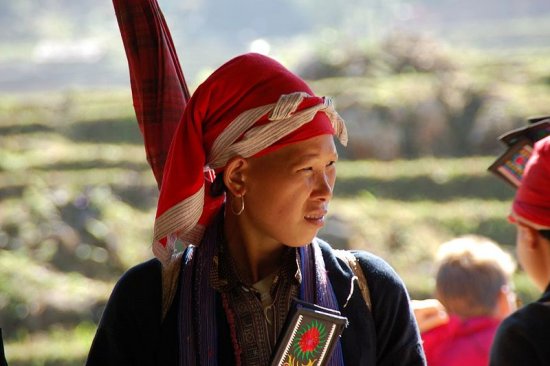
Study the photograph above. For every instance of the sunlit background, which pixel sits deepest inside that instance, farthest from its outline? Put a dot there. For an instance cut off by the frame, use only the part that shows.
(425, 86)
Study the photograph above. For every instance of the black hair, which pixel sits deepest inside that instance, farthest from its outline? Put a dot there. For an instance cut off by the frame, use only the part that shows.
(545, 233)
(218, 186)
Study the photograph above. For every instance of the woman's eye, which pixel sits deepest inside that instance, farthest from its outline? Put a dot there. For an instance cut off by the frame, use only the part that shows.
(332, 163)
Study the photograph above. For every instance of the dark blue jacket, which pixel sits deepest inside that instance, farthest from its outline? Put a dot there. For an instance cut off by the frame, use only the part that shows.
(131, 331)
(524, 337)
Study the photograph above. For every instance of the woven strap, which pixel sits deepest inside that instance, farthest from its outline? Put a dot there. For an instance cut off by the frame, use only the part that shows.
(170, 276)
(359, 275)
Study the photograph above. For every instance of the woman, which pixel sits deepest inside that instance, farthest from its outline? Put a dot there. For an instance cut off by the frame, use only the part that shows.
(523, 337)
(252, 234)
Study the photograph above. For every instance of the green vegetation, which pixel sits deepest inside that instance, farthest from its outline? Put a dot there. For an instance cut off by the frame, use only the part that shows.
(55, 347)
(77, 198)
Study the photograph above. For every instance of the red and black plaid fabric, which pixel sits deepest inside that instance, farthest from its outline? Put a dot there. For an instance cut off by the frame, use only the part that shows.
(159, 90)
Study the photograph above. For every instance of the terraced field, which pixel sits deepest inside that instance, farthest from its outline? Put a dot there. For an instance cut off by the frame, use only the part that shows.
(77, 204)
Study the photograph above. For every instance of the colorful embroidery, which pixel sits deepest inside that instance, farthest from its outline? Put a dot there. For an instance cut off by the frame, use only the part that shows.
(512, 169)
(309, 340)
(308, 344)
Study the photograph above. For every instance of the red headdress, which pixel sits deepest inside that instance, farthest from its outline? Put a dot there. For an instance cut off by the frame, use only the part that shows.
(249, 106)
(532, 201)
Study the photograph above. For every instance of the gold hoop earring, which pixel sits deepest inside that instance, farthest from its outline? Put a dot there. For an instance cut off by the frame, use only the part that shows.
(238, 213)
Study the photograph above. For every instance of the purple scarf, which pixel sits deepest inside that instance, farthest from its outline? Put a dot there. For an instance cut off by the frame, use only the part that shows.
(197, 316)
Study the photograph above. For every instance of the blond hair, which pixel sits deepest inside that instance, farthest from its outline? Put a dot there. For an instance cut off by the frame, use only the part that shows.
(471, 271)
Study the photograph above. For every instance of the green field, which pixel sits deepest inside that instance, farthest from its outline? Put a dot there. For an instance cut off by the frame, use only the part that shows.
(77, 203)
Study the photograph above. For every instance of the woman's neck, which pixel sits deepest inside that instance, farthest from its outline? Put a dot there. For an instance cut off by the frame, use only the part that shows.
(254, 259)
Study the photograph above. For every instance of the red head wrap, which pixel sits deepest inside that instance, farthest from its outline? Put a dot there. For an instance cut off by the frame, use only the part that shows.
(249, 106)
(532, 202)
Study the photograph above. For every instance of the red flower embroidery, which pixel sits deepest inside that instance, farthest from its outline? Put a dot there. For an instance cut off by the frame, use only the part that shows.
(520, 160)
(310, 340)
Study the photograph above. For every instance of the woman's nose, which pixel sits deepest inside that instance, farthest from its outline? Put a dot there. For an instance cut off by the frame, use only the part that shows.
(324, 185)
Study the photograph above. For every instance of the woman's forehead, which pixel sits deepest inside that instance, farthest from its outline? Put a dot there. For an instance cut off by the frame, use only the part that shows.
(319, 147)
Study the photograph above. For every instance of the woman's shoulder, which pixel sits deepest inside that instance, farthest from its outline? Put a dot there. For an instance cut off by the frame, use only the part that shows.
(131, 318)
(521, 338)
(532, 317)
(374, 267)
(389, 323)
(385, 285)
(527, 324)
(381, 278)
(140, 285)
(145, 273)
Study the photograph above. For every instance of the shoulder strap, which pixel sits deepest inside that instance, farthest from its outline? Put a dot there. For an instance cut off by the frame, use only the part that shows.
(170, 277)
(359, 274)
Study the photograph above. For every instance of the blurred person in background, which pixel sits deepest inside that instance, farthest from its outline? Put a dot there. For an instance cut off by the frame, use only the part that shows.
(524, 337)
(3, 361)
(473, 295)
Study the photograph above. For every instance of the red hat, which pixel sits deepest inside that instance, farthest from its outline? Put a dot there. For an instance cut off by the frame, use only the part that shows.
(249, 106)
(532, 201)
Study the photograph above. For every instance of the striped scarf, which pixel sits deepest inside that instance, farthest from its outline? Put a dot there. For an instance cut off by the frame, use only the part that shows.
(197, 313)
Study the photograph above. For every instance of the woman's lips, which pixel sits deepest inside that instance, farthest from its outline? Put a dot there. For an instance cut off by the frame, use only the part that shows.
(317, 218)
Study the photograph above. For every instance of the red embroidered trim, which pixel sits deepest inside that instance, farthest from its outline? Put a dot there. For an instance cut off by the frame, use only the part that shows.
(232, 329)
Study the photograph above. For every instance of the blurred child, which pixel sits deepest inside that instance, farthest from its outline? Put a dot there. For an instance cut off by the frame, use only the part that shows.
(524, 337)
(473, 290)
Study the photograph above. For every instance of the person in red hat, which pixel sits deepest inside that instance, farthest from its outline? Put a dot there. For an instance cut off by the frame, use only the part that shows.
(244, 190)
(524, 337)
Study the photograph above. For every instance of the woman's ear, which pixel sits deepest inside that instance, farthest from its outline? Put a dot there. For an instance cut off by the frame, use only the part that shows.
(531, 237)
(234, 175)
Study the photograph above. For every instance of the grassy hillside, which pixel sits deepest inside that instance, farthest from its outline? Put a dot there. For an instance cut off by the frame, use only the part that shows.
(77, 204)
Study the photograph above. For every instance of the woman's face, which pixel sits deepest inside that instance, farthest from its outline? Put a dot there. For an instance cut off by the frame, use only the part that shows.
(287, 192)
